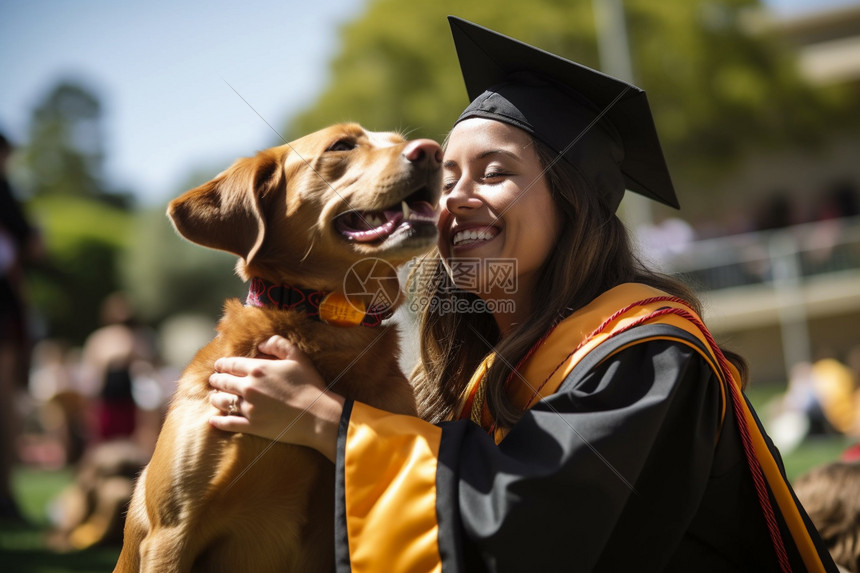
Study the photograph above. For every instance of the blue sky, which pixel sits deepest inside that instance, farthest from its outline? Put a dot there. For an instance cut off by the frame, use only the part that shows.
(161, 69)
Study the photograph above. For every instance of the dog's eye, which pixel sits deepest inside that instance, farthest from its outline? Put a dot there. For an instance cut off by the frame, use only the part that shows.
(342, 145)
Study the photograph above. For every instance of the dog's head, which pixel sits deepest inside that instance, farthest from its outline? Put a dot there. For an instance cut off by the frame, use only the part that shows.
(306, 211)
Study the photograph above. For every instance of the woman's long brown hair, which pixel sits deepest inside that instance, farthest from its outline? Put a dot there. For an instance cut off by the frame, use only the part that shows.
(593, 254)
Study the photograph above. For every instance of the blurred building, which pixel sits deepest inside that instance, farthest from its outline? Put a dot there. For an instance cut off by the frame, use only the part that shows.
(780, 271)
(827, 43)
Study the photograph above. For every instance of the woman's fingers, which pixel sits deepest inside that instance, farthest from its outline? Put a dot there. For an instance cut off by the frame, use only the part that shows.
(229, 404)
(276, 347)
(232, 373)
(230, 423)
(235, 365)
(227, 383)
(279, 347)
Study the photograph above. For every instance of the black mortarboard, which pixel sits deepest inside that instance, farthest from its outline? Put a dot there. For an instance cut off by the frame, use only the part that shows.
(601, 125)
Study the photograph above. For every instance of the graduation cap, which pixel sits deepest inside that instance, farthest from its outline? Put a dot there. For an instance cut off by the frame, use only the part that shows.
(600, 124)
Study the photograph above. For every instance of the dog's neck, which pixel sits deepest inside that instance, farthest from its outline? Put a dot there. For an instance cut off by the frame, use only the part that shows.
(329, 307)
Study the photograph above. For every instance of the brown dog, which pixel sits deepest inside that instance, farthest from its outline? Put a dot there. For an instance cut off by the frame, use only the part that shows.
(342, 202)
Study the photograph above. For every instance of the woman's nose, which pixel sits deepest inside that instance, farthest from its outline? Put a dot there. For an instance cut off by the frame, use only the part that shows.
(459, 198)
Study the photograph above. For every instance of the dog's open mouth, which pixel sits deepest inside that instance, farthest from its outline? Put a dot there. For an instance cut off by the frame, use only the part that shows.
(412, 213)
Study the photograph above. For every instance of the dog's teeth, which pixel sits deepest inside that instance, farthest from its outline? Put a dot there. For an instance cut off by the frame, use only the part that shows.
(405, 208)
(373, 220)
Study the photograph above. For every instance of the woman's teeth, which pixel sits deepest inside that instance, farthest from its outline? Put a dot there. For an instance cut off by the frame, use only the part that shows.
(473, 235)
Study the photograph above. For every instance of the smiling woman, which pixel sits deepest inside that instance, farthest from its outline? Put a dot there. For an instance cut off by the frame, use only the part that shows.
(496, 206)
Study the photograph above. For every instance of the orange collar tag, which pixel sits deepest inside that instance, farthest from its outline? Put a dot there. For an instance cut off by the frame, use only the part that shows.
(337, 310)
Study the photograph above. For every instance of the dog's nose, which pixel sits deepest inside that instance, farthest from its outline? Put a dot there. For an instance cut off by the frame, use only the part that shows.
(423, 151)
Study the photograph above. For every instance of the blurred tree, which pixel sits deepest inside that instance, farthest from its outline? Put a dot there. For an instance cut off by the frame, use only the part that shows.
(65, 152)
(168, 275)
(717, 86)
(84, 240)
(84, 223)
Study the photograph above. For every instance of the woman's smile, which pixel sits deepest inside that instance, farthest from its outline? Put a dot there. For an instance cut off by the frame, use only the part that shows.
(469, 236)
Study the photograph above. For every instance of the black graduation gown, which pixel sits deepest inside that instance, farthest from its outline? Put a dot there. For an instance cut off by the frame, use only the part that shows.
(633, 464)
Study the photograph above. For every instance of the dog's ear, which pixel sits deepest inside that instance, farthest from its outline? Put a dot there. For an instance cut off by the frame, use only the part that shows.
(225, 213)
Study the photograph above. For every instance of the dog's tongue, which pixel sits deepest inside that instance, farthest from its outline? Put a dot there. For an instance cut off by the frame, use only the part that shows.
(369, 226)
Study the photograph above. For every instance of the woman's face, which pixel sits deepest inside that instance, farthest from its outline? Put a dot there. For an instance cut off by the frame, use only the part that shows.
(496, 204)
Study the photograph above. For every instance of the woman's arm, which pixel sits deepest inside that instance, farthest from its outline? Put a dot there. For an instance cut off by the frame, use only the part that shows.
(283, 398)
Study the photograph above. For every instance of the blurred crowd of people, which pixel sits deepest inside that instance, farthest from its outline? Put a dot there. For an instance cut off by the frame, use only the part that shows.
(19, 243)
(96, 408)
(821, 398)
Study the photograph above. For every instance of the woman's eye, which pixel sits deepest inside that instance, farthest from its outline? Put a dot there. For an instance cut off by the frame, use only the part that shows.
(342, 145)
(448, 184)
(493, 175)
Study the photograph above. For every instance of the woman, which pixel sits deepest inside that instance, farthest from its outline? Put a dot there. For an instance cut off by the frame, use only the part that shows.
(607, 431)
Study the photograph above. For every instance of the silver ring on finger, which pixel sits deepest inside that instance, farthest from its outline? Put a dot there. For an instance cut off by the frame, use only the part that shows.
(233, 408)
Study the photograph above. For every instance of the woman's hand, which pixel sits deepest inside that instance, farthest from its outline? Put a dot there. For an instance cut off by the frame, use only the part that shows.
(282, 398)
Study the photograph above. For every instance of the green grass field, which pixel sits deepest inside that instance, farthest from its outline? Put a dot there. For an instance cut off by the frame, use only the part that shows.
(23, 548)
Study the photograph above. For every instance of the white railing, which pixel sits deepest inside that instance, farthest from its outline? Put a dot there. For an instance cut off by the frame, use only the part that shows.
(789, 254)
(772, 274)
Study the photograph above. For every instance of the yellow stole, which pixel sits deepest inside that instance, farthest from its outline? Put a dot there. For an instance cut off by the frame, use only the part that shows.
(542, 374)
